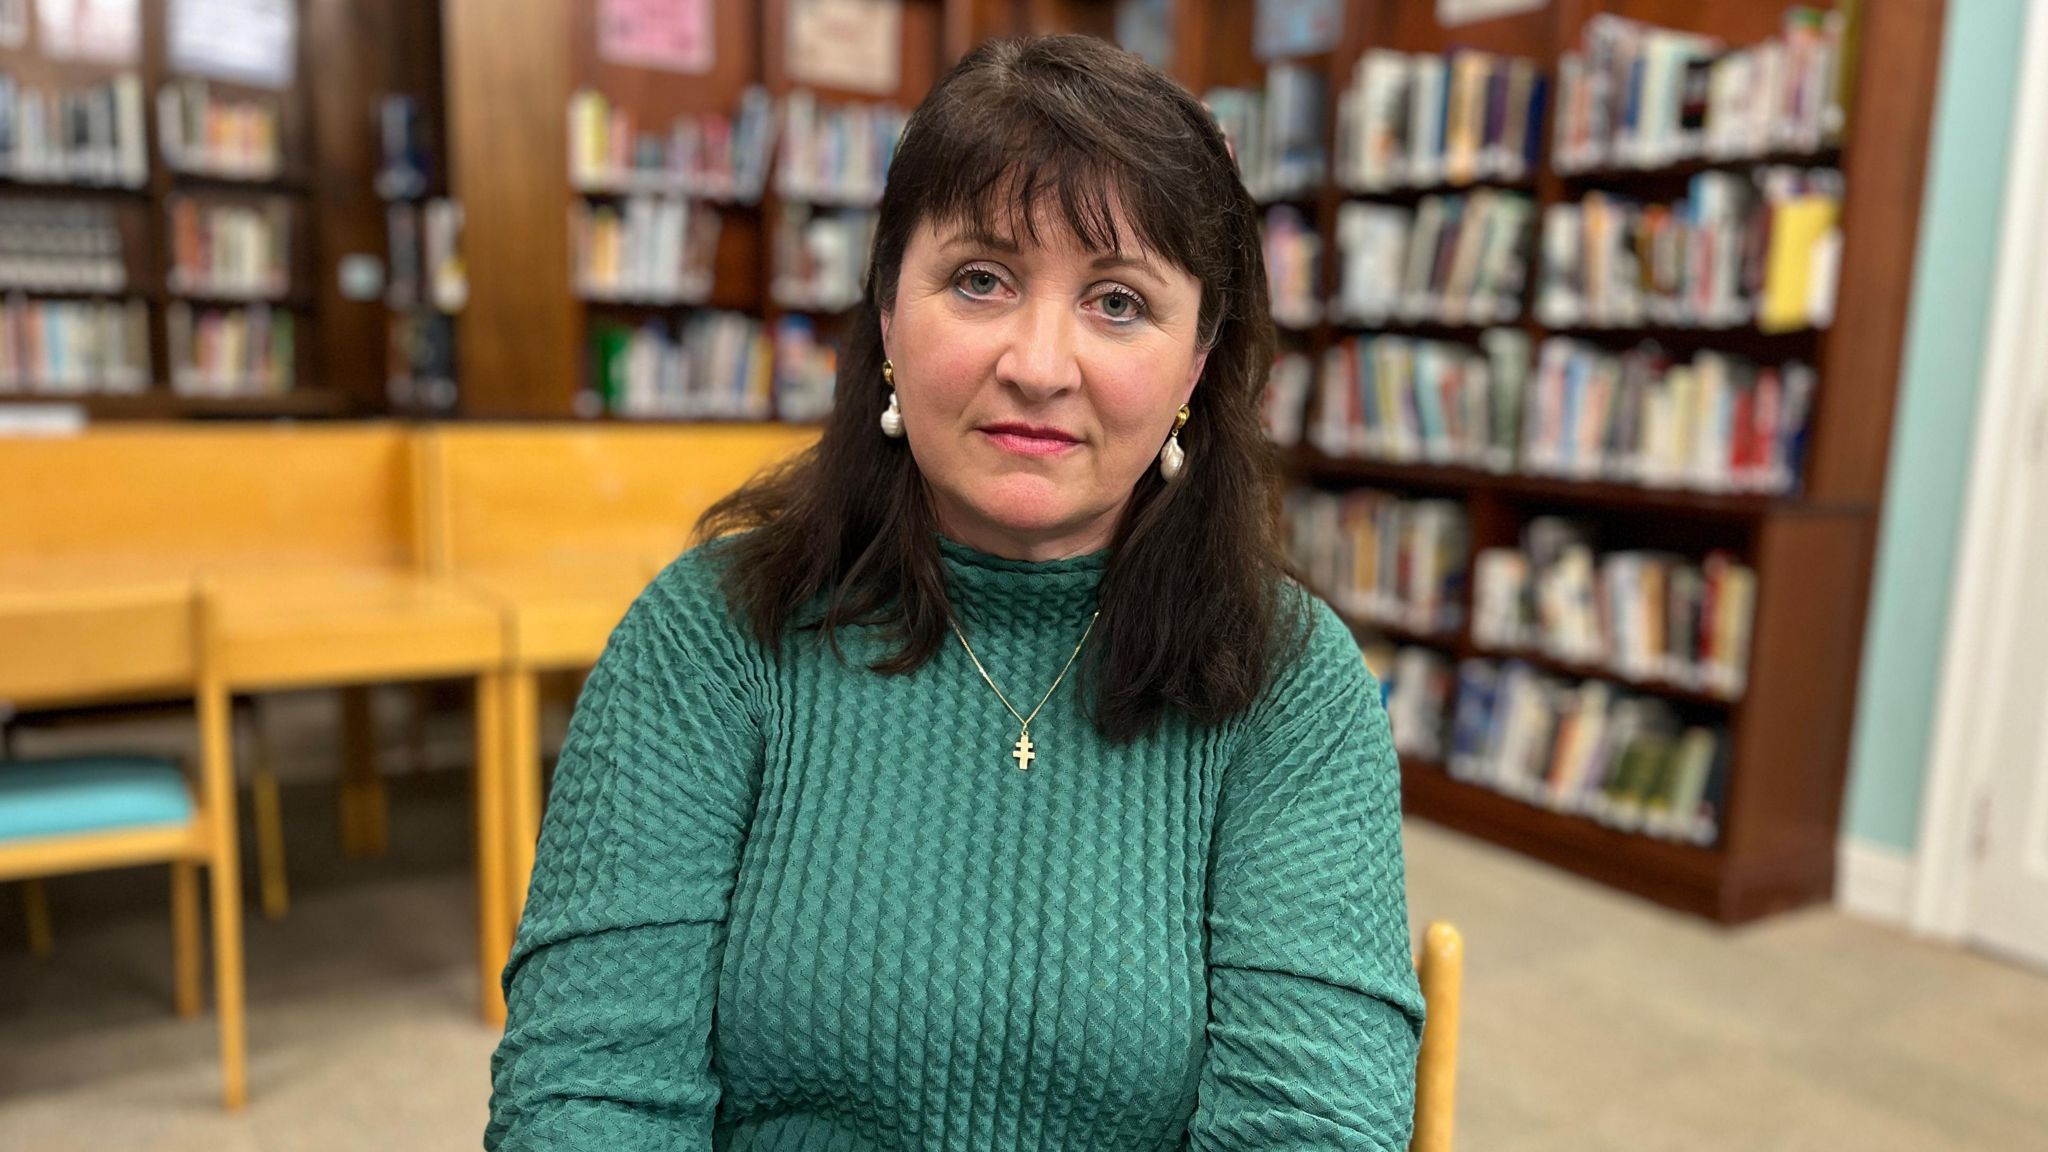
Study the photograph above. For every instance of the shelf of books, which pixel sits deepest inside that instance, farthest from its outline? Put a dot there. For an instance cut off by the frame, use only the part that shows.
(705, 287)
(1584, 409)
(426, 284)
(154, 241)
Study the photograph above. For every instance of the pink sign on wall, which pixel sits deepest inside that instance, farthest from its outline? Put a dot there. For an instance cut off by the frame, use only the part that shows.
(672, 35)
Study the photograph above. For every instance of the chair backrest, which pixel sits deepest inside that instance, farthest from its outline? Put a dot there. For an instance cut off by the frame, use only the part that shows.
(99, 643)
(180, 497)
(1442, 969)
(521, 493)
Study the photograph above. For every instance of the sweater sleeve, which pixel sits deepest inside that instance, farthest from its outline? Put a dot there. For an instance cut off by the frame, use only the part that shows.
(613, 977)
(1314, 1011)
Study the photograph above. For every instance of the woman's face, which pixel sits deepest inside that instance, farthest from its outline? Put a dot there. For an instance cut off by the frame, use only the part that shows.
(1037, 381)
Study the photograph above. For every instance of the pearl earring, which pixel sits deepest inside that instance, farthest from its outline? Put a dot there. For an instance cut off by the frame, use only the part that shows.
(892, 418)
(1171, 458)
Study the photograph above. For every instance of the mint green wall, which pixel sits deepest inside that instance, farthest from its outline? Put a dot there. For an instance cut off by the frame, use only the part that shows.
(1952, 289)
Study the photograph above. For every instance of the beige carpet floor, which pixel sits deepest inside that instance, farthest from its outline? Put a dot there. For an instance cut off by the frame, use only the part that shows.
(1593, 1022)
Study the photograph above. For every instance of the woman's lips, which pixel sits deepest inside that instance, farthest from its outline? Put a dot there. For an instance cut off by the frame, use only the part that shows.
(1029, 441)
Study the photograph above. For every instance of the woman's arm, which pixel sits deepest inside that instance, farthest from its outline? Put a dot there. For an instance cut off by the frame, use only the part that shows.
(1314, 1011)
(611, 984)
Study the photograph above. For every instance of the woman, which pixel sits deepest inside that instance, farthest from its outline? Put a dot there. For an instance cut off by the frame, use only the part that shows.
(992, 789)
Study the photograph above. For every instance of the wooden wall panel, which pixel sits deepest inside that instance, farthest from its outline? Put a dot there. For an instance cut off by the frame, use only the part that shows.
(355, 70)
(508, 83)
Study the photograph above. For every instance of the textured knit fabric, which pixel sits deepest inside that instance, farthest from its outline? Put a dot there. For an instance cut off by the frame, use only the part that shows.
(783, 902)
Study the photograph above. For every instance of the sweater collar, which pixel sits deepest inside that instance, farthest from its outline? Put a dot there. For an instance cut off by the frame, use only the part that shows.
(989, 591)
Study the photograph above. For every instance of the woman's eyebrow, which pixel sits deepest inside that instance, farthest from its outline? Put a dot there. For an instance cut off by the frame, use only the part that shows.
(1124, 260)
(977, 238)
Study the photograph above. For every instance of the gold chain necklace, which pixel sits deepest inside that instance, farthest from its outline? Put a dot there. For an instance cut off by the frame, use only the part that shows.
(1023, 752)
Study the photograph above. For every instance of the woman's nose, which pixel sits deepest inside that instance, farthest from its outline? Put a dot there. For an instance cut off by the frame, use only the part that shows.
(1040, 359)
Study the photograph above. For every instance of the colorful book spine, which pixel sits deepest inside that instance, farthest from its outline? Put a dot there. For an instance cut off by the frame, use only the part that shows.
(73, 347)
(1379, 558)
(1587, 749)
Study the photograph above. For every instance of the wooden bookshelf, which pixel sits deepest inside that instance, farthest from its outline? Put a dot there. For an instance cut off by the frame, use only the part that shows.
(511, 70)
(1811, 551)
(145, 208)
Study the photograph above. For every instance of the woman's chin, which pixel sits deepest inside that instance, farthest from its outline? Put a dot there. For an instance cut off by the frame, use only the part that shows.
(1028, 506)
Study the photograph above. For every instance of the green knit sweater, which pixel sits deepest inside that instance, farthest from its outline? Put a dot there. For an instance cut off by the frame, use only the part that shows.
(783, 902)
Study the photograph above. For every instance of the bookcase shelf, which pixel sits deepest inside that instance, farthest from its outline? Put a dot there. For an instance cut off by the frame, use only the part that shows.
(1444, 639)
(26, 186)
(1572, 670)
(187, 180)
(160, 403)
(1632, 180)
(1746, 341)
(1458, 644)
(1411, 194)
(1308, 464)
(1677, 875)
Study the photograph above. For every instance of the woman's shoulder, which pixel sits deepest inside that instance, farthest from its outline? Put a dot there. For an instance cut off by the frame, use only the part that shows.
(684, 612)
(1318, 670)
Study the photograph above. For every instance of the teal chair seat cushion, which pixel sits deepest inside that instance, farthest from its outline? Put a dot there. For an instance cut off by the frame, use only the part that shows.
(74, 794)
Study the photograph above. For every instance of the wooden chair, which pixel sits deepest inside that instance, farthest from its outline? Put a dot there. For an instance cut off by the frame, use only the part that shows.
(85, 813)
(1442, 968)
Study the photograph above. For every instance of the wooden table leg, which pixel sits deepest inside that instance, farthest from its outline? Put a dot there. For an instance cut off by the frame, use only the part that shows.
(225, 879)
(522, 786)
(364, 804)
(493, 931)
(268, 809)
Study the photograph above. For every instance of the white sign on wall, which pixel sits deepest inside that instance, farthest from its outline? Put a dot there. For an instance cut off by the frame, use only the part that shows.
(1453, 12)
(108, 31)
(252, 42)
(852, 44)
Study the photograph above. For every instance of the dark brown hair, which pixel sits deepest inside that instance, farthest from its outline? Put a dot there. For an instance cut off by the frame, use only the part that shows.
(1192, 610)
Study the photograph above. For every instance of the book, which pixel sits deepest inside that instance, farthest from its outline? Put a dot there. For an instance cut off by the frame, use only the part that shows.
(821, 257)
(230, 249)
(719, 156)
(89, 134)
(1409, 120)
(1455, 259)
(1645, 617)
(202, 131)
(712, 365)
(806, 370)
(1379, 558)
(1275, 132)
(1635, 95)
(230, 351)
(1716, 423)
(835, 154)
(73, 347)
(1293, 252)
(656, 249)
(61, 246)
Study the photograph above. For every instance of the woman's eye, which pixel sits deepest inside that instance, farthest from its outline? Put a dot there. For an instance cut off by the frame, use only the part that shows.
(1121, 306)
(980, 282)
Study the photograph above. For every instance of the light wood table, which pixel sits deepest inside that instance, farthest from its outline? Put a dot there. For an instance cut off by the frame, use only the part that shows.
(557, 616)
(333, 627)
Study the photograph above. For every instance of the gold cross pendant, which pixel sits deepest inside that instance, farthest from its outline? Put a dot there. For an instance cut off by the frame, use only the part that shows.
(1022, 753)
